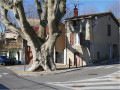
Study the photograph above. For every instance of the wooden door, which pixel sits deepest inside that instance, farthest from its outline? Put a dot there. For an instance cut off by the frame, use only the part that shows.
(76, 59)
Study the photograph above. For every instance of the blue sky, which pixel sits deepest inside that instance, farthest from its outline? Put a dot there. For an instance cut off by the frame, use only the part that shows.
(100, 4)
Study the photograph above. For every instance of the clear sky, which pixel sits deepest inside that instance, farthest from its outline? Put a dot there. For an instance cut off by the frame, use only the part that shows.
(99, 4)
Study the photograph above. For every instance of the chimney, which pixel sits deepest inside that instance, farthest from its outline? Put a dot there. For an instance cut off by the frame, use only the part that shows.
(75, 11)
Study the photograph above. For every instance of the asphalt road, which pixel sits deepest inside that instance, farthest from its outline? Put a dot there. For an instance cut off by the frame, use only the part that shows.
(85, 78)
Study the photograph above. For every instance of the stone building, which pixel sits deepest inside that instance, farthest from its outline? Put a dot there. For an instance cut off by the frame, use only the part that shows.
(90, 38)
(119, 36)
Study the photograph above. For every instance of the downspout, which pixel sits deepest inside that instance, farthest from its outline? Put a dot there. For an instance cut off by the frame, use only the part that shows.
(65, 60)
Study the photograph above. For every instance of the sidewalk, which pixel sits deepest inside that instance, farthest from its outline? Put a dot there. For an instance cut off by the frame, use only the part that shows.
(19, 70)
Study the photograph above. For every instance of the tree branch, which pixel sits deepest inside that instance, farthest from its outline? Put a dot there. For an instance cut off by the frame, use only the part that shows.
(6, 5)
(42, 11)
(38, 7)
(9, 24)
(61, 10)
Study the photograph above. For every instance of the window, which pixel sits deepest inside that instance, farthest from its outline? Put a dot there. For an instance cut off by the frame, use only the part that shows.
(109, 30)
(76, 39)
(74, 23)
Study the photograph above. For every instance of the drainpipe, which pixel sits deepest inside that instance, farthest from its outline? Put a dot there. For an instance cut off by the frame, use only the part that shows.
(65, 57)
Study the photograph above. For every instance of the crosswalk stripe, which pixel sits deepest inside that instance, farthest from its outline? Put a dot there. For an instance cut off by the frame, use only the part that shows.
(101, 83)
(99, 79)
(97, 87)
(118, 67)
(103, 67)
(109, 67)
(0, 75)
(91, 83)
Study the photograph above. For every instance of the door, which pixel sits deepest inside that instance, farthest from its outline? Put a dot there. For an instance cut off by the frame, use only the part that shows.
(115, 54)
(110, 51)
(76, 59)
(59, 57)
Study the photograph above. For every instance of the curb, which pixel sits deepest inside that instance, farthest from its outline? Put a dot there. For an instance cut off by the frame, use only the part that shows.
(47, 73)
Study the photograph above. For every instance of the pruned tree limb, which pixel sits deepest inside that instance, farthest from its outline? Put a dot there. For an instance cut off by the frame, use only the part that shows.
(9, 24)
(38, 7)
(42, 12)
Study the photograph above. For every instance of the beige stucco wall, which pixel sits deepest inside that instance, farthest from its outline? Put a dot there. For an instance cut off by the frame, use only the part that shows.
(101, 41)
(84, 52)
(96, 35)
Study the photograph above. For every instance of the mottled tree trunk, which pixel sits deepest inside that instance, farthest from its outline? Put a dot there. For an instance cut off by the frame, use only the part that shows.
(51, 14)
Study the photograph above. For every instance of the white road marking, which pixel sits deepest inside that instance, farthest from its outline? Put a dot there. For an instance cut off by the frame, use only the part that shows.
(101, 83)
(87, 84)
(109, 67)
(118, 67)
(98, 87)
(4, 73)
(0, 76)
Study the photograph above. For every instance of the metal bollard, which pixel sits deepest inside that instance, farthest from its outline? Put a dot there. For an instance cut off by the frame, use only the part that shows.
(69, 62)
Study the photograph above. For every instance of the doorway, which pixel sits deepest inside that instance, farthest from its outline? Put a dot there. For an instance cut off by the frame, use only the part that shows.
(59, 57)
(115, 50)
(76, 59)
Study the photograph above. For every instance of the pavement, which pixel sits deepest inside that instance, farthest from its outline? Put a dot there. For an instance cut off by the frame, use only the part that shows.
(61, 68)
(22, 69)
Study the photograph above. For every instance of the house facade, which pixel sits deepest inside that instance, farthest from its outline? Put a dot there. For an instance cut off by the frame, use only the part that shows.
(91, 38)
(59, 46)
(13, 46)
(119, 36)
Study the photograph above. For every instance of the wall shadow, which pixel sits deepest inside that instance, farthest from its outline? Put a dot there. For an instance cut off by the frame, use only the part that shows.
(80, 27)
(42, 86)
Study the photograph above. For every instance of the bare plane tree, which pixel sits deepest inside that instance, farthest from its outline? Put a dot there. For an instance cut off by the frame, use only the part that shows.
(88, 10)
(49, 11)
(114, 8)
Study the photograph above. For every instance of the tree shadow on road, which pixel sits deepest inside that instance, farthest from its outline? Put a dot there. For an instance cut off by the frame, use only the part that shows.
(26, 84)
(2, 87)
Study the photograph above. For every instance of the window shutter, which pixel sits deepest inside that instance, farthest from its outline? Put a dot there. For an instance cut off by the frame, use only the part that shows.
(81, 38)
(71, 39)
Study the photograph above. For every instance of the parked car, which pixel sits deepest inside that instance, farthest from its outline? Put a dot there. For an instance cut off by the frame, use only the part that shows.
(5, 61)
(12, 61)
